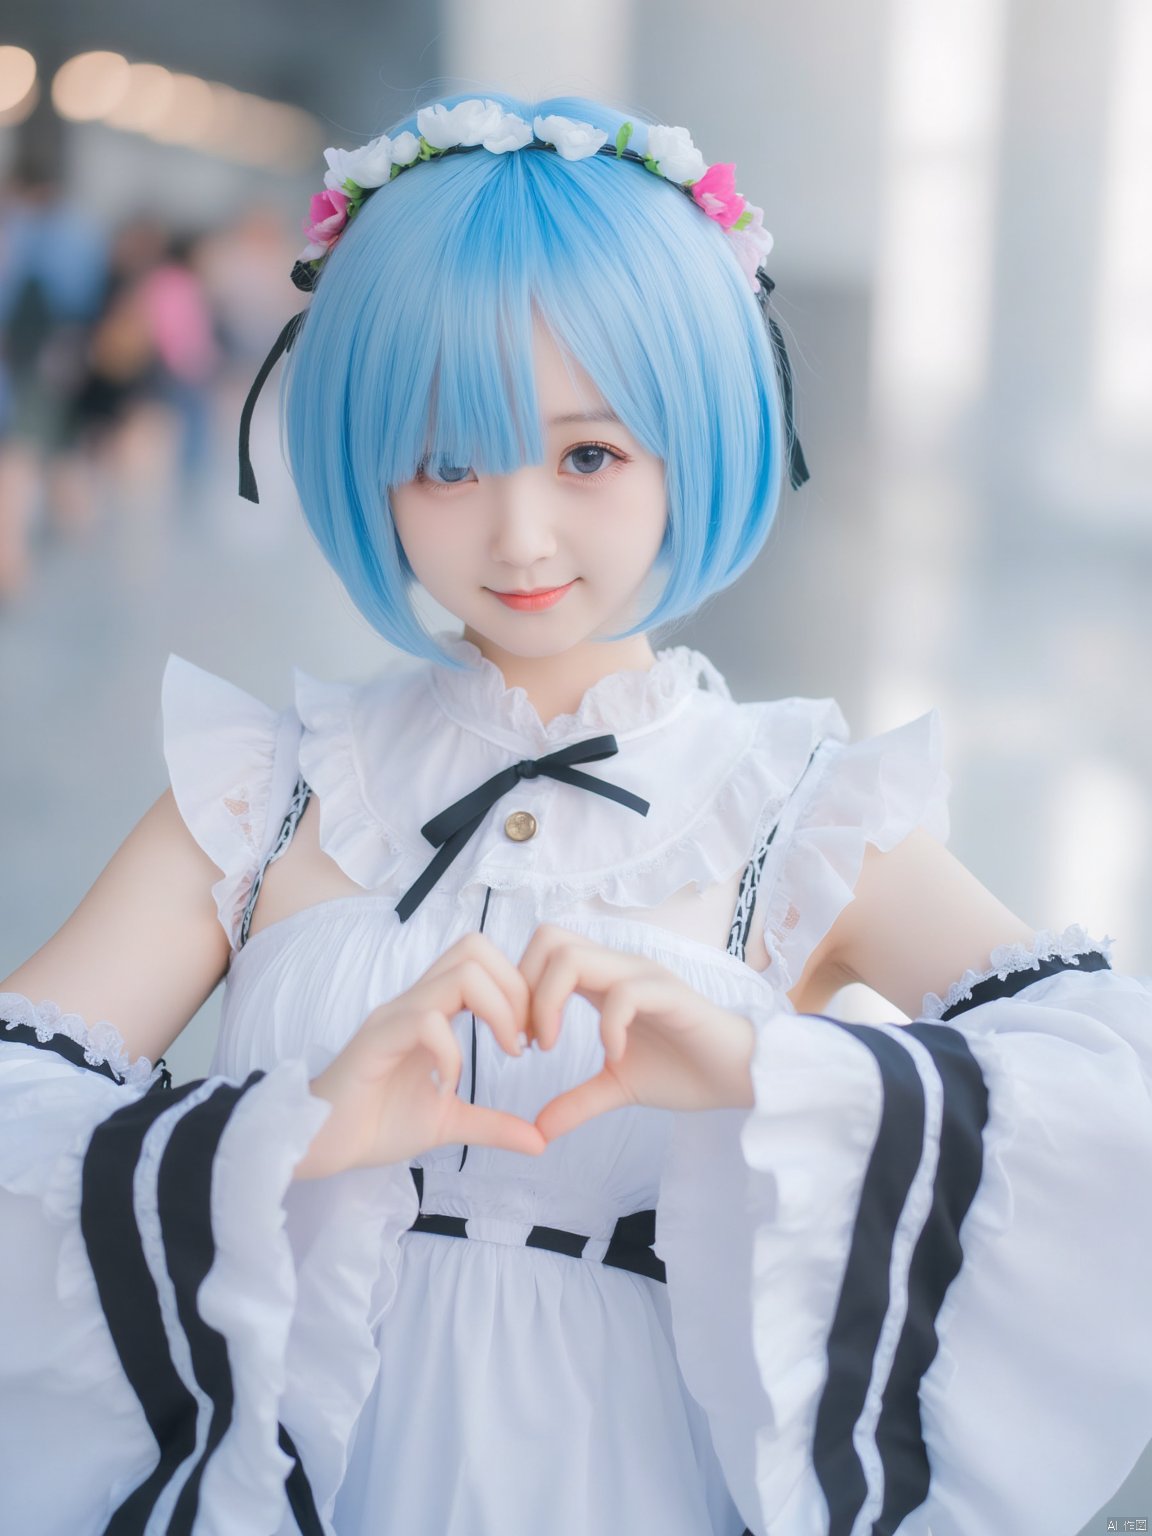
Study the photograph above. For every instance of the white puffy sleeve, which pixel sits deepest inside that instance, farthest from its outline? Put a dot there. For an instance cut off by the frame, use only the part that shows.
(875, 790)
(232, 763)
(185, 1332)
(910, 1287)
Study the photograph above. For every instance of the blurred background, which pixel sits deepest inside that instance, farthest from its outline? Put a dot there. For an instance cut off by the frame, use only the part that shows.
(961, 197)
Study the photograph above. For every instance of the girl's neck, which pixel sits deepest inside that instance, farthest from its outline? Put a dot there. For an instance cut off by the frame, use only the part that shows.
(555, 685)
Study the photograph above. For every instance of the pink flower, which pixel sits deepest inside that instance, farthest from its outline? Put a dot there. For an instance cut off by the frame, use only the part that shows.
(751, 244)
(327, 216)
(717, 195)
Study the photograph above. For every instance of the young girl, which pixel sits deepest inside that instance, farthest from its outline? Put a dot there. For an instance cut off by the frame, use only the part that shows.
(530, 1191)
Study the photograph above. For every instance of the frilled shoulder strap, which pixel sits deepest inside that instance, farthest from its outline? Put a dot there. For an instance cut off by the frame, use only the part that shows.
(232, 762)
(349, 830)
(872, 791)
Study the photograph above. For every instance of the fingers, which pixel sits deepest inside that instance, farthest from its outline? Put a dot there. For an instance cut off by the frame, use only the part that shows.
(620, 1007)
(480, 1126)
(556, 964)
(584, 1102)
(433, 1031)
(473, 974)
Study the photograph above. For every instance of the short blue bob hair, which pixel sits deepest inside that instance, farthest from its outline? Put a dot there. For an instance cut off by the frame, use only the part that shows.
(418, 343)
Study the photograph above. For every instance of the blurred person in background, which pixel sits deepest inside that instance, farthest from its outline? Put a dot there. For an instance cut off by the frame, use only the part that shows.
(53, 269)
(176, 308)
(141, 415)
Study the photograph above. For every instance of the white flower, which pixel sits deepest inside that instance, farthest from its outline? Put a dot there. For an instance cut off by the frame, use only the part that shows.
(312, 251)
(751, 244)
(405, 148)
(674, 151)
(368, 166)
(470, 122)
(511, 132)
(574, 140)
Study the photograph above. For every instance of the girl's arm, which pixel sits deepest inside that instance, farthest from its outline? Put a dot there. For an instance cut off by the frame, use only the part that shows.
(919, 919)
(144, 947)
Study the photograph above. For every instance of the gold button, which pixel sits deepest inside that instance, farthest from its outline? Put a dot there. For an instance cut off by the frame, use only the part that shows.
(520, 826)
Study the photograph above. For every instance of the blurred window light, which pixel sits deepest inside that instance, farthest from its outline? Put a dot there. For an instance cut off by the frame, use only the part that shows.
(184, 110)
(90, 85)
(146, 100)
(278, 137)
(1122, 364)
(17, 83)
(187, 117)
(933, 281)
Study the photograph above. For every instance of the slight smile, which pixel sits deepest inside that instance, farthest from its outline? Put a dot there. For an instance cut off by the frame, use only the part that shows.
(544, 597)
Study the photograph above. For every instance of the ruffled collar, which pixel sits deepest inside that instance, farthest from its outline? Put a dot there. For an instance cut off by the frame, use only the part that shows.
(621, 702)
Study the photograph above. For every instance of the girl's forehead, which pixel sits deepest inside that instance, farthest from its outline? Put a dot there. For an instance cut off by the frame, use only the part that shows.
(563, 386)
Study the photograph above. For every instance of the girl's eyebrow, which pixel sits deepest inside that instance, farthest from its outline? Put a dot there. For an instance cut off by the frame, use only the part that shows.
(599, 415)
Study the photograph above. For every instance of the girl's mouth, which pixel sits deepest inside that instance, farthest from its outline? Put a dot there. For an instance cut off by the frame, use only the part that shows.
(528, 601)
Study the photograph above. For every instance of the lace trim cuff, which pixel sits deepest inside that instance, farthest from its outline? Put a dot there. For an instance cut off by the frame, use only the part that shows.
(101, 1042)
(1017, 957)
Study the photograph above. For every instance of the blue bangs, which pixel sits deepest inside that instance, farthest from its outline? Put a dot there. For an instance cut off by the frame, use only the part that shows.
(418, 344)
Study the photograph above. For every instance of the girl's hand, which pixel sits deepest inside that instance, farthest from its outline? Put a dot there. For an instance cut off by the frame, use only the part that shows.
(665, 1045)
(386, 1105)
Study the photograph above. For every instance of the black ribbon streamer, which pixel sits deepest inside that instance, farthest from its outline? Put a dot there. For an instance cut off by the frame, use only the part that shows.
(451, 829)
(797, 468)
(281, 345)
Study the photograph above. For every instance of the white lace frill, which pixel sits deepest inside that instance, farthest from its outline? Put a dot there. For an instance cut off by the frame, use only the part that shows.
(876, 790)
(230, 758)
(102, 1041)
(349, 830)
(709, 781)
(1007, 958)
(628, 700)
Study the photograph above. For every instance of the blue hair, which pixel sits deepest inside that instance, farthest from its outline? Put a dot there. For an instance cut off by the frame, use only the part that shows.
(418, 343)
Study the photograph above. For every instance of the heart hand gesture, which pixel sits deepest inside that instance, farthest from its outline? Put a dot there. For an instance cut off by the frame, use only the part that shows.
(387, 1105)
(665, 1044)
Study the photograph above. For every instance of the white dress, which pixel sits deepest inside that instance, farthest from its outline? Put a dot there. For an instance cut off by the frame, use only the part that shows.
(894, 1297)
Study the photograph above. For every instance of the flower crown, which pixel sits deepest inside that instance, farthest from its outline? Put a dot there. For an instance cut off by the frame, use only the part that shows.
(354, 174)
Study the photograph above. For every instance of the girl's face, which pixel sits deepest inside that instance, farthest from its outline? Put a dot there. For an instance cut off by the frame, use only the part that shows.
(592, 514)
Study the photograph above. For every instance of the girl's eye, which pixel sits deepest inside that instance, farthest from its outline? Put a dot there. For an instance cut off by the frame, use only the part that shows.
(446, 474)
(591, 459)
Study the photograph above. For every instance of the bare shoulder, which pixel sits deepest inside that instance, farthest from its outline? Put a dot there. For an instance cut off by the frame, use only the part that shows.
(144, 948)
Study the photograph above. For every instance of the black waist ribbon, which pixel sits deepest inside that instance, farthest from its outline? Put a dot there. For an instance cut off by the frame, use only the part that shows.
(451, 829)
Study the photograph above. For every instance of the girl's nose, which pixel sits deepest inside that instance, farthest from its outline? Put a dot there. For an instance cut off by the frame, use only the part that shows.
(522, 532)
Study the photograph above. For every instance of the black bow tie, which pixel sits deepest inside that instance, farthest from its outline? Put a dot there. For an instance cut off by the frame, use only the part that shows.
(452, 828)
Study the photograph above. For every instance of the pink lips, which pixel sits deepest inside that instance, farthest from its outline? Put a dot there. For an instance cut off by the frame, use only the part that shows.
(530, 601)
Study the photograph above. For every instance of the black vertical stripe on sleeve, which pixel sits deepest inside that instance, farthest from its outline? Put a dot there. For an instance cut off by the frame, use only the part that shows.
(184, 1199)
(864, 1293)
(129, 1299)
(301, 1500)
(131, 1303)
(936, 1261)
